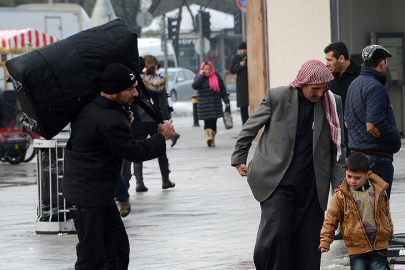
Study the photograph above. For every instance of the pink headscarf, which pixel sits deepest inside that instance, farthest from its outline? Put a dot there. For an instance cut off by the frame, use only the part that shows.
(213, 79)
(315, 72)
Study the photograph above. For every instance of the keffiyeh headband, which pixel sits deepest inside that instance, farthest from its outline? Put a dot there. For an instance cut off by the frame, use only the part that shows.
(313, 72)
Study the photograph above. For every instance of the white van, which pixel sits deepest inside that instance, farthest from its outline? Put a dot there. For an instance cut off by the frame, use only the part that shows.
(153, 46)
(57, 20)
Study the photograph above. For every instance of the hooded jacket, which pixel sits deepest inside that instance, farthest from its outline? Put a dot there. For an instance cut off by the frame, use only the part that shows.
(343, 210)
(156, 87)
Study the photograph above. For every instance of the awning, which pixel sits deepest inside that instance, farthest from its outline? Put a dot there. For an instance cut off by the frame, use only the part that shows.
(23, 40)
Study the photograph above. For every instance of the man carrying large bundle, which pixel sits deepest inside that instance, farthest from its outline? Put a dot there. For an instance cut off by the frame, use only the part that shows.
(100, 139)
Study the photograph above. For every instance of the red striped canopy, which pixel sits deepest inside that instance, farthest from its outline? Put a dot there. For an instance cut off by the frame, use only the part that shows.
(20, 40)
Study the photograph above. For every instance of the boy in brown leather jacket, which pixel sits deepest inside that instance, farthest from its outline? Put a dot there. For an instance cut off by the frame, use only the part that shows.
(361, 206)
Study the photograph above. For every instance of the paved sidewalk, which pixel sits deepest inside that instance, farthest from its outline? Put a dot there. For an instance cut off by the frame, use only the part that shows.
(208, 221)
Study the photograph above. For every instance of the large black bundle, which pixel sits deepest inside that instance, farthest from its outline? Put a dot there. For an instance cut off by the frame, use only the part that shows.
(54, 82)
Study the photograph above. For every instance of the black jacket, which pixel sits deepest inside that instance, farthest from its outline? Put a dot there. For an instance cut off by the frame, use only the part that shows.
(339, 85)
(209, 101)
(242, 85)
(100, 139)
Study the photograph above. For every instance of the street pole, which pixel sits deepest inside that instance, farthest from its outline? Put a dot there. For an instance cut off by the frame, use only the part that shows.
(164, 40)
(202, 57)
(243, 26)
(223, 54)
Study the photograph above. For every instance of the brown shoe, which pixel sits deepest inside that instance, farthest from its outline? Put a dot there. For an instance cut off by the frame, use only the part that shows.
(125, 208)
(208, 136)
(213, 138)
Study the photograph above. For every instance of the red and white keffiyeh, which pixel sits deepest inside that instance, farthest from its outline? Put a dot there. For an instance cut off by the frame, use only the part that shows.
(316, 72)
(331, 114)
(313, 72)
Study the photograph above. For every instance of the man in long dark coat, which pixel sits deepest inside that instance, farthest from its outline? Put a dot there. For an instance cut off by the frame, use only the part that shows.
(239, 67)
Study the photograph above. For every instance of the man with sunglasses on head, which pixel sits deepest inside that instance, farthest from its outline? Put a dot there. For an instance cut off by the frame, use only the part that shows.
(370, 117)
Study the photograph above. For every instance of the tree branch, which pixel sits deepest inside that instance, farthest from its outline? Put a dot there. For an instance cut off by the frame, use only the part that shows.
(154, 6)
(209, 3)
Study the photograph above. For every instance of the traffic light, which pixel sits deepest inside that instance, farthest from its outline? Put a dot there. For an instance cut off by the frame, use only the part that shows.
(197, 22)
(171, 27)
(237, 18)
(206, 24)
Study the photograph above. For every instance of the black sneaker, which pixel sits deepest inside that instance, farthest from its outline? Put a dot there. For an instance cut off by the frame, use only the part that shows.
(168, 184)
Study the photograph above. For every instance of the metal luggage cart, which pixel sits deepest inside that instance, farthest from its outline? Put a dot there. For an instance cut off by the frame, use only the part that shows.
(53, 213)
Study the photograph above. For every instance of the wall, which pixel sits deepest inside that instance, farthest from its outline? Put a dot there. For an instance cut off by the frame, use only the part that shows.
(358, 19)
(298, 30)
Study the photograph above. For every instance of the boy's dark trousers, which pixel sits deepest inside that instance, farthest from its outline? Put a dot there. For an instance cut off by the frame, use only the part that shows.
(103, 241)
(376, 260)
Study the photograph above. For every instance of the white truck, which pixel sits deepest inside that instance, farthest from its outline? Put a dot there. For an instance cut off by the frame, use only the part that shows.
(57, 20)
(153, 46)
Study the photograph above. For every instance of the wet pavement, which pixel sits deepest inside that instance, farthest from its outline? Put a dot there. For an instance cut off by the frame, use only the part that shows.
(208, 221)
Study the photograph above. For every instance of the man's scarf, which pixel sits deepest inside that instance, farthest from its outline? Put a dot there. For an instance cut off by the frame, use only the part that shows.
(331, 114)
(213, 79)
(316, 72)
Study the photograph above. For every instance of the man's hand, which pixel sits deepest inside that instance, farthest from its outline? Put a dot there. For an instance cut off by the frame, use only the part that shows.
(242, 169)
(167, 129)
(242, 63)
(130, 117)
(323, 250)
(373, 130)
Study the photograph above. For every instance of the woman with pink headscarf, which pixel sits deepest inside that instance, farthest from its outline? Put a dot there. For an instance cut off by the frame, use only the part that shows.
(210, 90)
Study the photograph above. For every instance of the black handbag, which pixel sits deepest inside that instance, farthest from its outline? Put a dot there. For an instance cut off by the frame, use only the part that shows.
(228, 121)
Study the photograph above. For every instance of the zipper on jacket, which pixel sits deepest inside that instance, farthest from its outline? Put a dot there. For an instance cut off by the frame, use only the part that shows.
(375, 214)
(361, 221)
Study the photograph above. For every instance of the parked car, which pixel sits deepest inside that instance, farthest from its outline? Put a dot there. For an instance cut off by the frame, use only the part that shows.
(179, 83)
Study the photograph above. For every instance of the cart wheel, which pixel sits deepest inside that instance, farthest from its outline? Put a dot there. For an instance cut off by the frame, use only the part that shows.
(30, 153)
(15, 160)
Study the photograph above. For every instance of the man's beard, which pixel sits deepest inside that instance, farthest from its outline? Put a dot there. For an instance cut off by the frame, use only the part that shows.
(124, 103)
